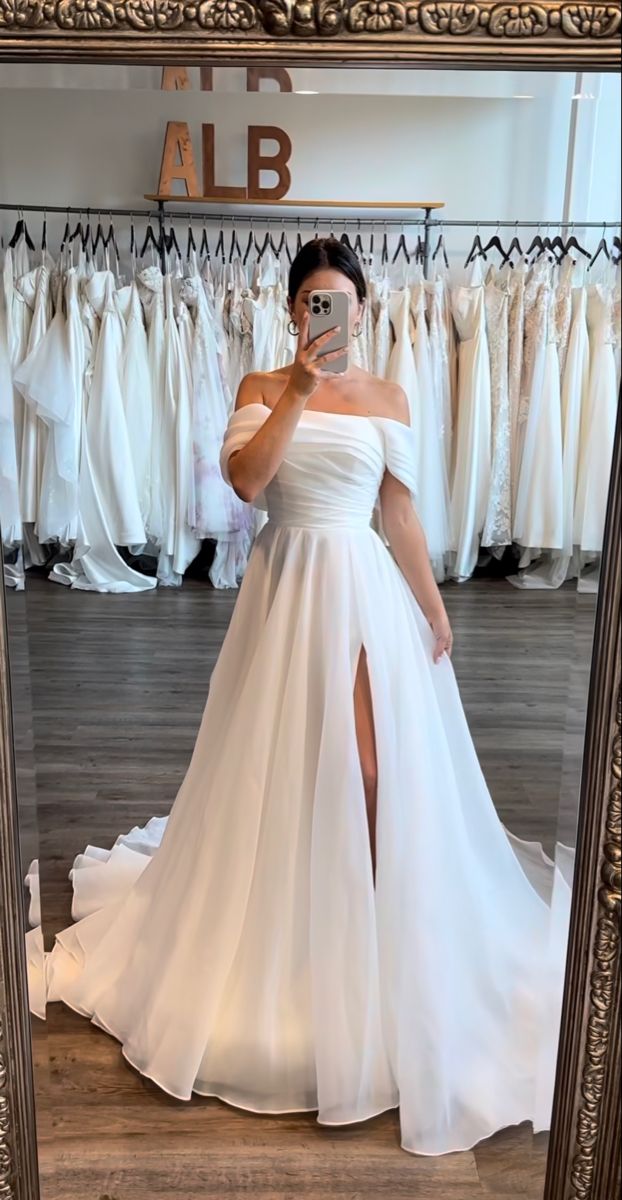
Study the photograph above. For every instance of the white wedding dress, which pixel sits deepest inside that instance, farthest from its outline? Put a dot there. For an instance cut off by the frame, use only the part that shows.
(239, 947)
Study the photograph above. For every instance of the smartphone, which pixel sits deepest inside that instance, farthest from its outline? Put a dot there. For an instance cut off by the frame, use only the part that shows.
(327, 309)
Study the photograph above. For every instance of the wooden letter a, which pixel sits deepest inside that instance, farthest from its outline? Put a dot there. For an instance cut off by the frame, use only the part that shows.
(178, 160)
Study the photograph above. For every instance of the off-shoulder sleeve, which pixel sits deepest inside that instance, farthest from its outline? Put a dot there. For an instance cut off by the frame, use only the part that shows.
(400, 454)
(400, 460)
(243, 425)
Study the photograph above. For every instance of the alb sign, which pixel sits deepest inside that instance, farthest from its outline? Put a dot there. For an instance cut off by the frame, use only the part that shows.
(178, 157)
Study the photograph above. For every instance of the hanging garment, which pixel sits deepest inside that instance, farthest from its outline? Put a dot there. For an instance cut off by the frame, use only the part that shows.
(55, 385)
(498, 525)
(16, 266)
(538, 520)
(423, 991)
(34, 289)
(472, 468)
(516, 279)
(553, 570)
(151, 287)
(441, 367)
(379, 303)
(108, 509)
(215, 510)
(433, 488)
(179, 545)
(10, 515)
(136, 389)
(598, 427)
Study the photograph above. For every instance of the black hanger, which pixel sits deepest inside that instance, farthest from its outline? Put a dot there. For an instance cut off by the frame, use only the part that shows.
(81, 233)
(99, 238)
(190, 242)
(132, 239)
(21, 231)
(420, 250)
(514, 247)
(204, 249)
(617, 246)
(602, 248)
(235, 245)
(150, 240)
(358, 247)
(219, 252)
(476, 251)
(264, 246)
(440, 246)
(537, 244)
(282, 246)
(44, 234)
(345, 240)
(573, 244)
(384, 256)
(495, 244)
(401, 248)
(249, 246)
(65, 237)
(170, 240)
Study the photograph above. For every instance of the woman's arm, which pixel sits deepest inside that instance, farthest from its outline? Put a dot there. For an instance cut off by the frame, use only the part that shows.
(252, 467)
(407, 540)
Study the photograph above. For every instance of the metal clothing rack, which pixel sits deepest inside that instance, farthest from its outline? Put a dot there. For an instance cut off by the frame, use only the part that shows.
(249, 213)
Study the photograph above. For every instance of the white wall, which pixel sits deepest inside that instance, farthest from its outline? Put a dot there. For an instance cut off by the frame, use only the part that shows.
(460, 137)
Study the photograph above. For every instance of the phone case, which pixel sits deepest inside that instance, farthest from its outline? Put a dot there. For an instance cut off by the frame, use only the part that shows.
(327, 309)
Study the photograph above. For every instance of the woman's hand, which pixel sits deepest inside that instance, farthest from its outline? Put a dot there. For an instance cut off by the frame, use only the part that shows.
(441, 629)
(306, 372)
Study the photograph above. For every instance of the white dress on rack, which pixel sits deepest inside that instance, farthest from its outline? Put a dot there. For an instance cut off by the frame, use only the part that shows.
(151, 288)
(472, 437)
(180, 544)
(34, 289)
(108, 508)
(378, 303)
(433, 493)
(538, 518)
(10, 515)
(239, 948)
(599, 423)
(216, 512)
(136, 390)
(56, 388)
(440, 350)
(516, 279)
(498, 525)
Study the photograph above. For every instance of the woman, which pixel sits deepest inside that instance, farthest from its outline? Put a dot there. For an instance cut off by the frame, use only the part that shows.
(335, 919)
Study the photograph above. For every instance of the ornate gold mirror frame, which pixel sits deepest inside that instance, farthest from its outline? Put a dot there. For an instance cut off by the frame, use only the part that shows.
(583, 1161)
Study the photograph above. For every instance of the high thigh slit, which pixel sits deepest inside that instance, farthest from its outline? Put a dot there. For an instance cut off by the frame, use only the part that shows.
(366, 742)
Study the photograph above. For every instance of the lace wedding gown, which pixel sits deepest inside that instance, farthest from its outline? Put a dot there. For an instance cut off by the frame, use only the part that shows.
(239, 947)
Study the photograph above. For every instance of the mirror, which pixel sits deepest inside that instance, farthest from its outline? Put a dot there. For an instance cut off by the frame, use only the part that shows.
(322, 917)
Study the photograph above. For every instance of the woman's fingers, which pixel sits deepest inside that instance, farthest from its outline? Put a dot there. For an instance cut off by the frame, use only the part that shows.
(323, 338)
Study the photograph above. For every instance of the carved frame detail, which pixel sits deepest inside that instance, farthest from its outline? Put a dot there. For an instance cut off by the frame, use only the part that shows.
(548, 33)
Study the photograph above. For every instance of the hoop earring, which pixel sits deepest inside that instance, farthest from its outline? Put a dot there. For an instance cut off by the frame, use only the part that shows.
(293, 328)
(358, 329)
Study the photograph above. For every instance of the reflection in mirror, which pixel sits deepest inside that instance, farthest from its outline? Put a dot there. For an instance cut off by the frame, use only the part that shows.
(326, 893)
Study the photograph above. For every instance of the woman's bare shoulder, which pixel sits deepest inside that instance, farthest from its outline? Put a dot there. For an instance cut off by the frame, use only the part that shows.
(389, 399)
(259, 387)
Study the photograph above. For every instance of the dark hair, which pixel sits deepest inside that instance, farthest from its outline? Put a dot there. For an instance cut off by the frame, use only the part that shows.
(326, 252)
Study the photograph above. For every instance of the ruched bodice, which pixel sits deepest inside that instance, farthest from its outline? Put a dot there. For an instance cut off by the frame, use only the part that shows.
(333, 468)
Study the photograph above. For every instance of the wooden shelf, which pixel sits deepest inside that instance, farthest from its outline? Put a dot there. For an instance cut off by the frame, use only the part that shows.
(370, 205)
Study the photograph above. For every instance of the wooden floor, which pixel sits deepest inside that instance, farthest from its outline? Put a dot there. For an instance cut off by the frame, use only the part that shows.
(117, 686)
